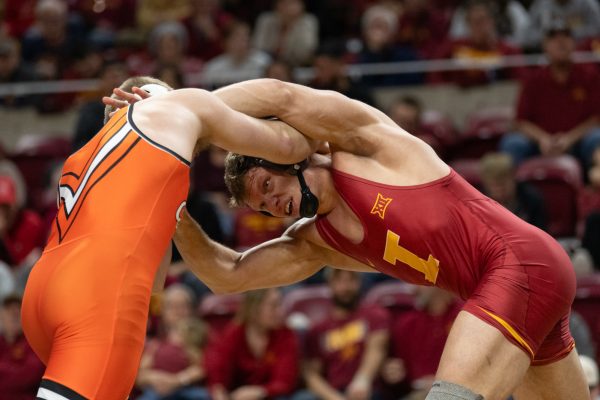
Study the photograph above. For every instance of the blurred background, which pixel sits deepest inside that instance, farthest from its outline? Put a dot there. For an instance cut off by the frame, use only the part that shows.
(507, 92)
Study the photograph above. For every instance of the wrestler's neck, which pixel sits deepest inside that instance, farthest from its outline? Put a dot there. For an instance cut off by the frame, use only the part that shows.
(320, 182)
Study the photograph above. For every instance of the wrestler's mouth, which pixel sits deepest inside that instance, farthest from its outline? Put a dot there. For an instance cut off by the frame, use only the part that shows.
(289, 208)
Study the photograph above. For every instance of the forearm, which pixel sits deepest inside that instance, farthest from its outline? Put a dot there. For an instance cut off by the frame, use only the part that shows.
(582, 129)
(531, 130)
(321, 387)
(226, 271)
(190, 375)
(373, 357)
(210, 261)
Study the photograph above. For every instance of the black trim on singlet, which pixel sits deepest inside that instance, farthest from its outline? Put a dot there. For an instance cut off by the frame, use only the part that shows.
(70, 174)
(152, 142)
(60, 234)
(98, 142)
(61, 389)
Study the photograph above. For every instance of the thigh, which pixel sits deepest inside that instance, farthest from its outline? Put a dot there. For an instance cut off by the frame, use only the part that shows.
(479, 357)
(563, 379)
(96, 364)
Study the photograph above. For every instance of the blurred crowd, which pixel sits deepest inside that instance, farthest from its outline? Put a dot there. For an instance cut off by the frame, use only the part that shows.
(338, 335)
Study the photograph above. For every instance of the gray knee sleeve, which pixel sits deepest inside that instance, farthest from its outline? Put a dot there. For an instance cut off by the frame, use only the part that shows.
(442, 390)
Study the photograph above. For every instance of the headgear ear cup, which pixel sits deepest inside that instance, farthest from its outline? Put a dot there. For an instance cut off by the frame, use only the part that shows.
(309, 204)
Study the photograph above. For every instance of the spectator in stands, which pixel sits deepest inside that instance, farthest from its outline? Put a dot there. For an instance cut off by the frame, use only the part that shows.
(239, 62)
(106, 20)
(416, 341)
(557, 109)
(407, 112)
(499, 183)
(422, 26)
(330, 73)
(13, 69)
(580, 16)
(19, 15)
(91, 114)
(206, 27)
(256, 357)
(590, 369)
(55, 41)
(171, 366)
(589, 210)
(280, 70)
(288, 32)
(511, 17)
(480, 50)
(379, 26)
(167, 46)
(20, 369)
(21, 231)
(151, 13)
(171, 75)
(345, 351)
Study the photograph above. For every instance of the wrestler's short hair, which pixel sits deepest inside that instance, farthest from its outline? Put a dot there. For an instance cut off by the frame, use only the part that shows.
(236, 168)
(128, 84)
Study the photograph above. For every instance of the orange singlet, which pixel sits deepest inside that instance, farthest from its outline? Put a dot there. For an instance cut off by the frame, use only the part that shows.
(86, 301)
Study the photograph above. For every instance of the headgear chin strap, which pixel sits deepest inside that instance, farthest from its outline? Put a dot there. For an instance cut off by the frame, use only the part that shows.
(309, 203)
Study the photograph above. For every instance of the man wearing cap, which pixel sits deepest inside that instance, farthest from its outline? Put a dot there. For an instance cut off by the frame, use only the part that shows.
(21, 231)
(558, 106)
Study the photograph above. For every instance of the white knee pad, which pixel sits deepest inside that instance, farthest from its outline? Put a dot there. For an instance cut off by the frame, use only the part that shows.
(442, 390)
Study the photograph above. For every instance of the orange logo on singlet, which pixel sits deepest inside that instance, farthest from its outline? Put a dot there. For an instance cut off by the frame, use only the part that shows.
(381, 204)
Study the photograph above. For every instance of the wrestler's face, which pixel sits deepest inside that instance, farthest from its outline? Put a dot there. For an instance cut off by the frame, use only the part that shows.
(276, 192)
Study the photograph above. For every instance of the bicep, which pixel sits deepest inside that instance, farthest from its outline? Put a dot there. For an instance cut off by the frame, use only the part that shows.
(328, 115)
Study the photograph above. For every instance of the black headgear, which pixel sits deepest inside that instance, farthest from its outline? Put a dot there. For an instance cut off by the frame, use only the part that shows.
(309, 203)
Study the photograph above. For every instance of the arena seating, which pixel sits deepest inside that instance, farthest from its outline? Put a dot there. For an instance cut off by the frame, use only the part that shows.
(483, 130)
(396, 296)
(559, 180)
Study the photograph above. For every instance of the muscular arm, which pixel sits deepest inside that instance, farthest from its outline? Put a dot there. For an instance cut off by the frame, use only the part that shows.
(195, 114)
(320, 114)
(278, 262)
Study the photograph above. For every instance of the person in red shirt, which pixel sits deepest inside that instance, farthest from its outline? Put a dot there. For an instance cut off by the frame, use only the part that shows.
(481, 50)
(345, 351)
(170, 367)
(21, 231)
(557, 109)
(418, 338)
(256, 356)
(20, 369)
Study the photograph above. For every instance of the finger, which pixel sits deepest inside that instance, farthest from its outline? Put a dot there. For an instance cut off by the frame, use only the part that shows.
(130, 97)
(140, 92)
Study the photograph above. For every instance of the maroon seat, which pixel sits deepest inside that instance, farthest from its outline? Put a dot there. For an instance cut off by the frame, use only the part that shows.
(483, 131)
(469, 169)
(559, 180)
(439, 126)
(218, 310)
(33, 156)
(396, 296)
(312, 303)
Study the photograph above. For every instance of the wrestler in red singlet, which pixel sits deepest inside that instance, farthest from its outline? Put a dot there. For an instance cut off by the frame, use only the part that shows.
(513, 275)
(86, 302)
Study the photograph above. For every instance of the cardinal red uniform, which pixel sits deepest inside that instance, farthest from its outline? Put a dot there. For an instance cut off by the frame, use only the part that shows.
(445, 233)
